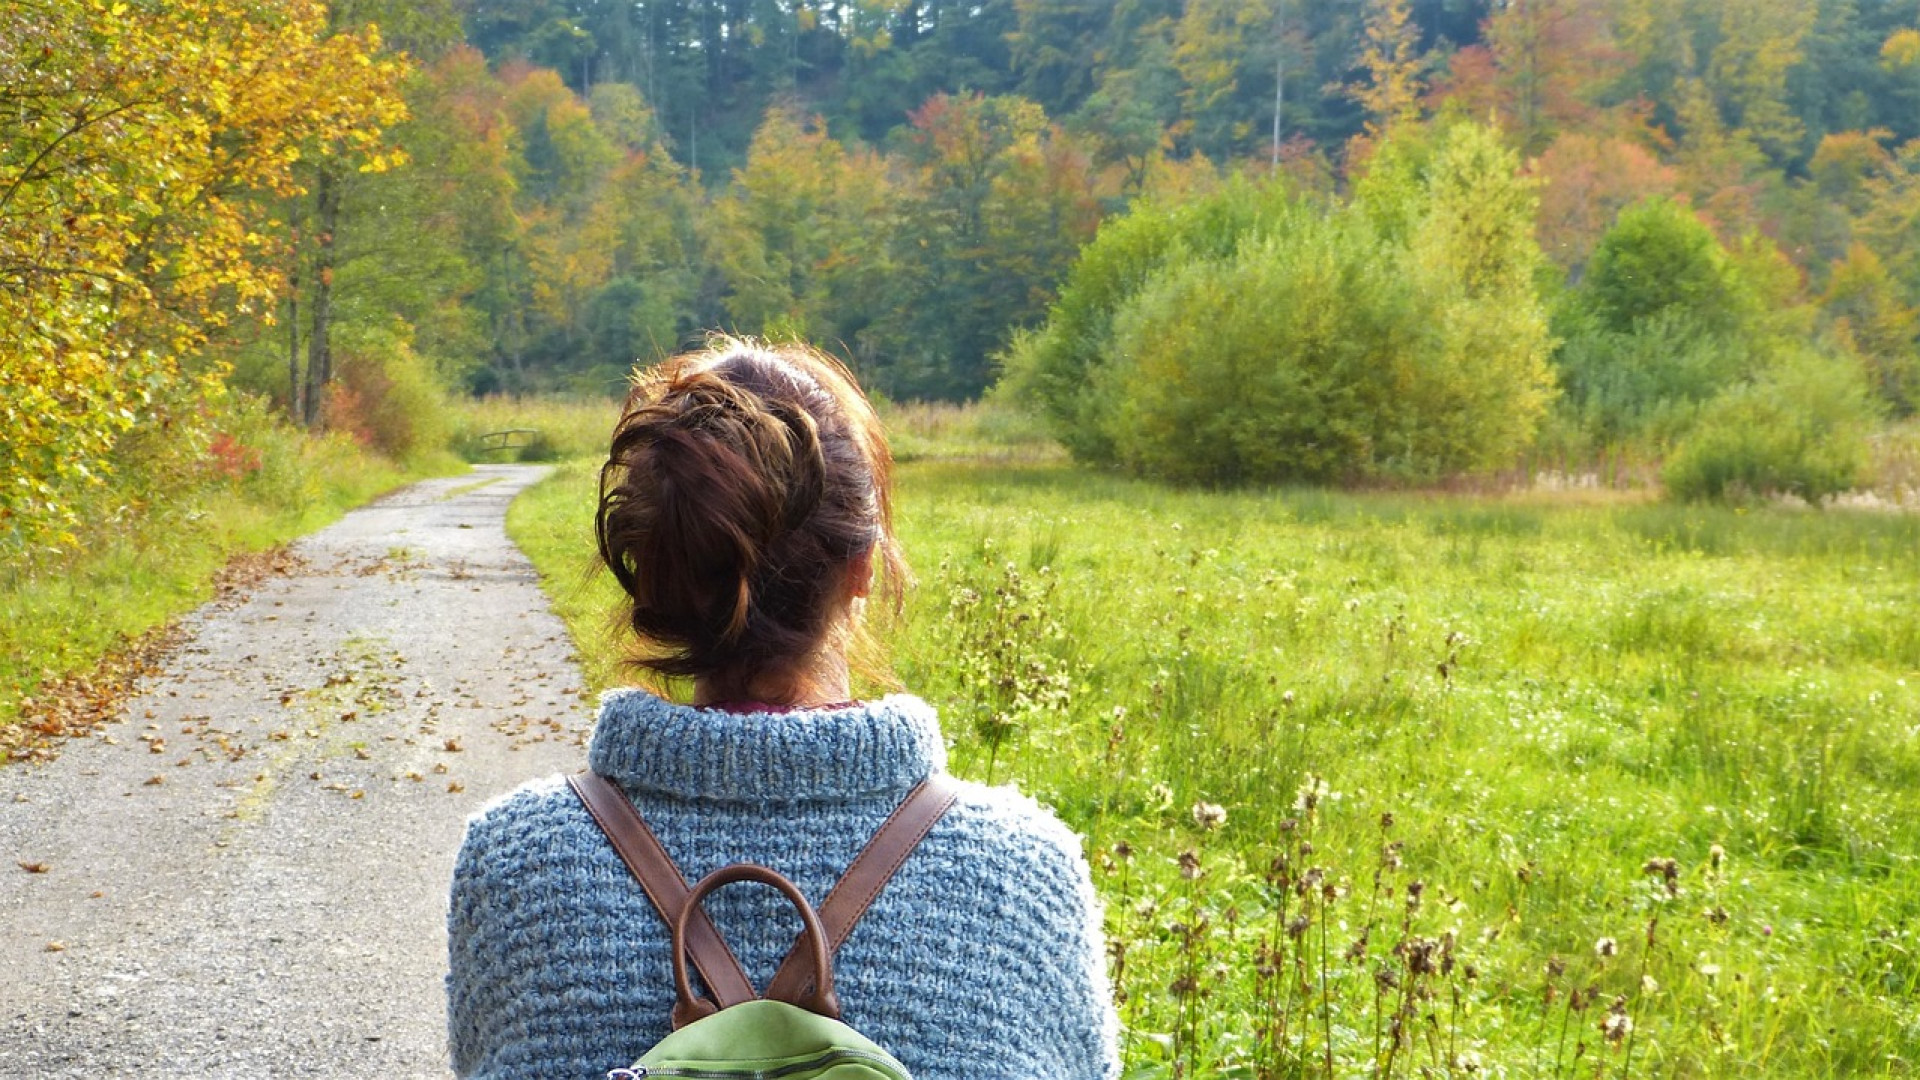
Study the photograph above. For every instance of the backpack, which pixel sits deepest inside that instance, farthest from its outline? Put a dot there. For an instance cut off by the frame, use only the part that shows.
(793, 1031)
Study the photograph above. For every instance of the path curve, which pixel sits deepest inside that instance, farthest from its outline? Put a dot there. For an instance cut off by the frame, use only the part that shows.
(246, 874)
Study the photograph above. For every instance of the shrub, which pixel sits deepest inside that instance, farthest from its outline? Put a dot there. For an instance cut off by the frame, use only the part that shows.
(384, 394)
(1258, 337)
(1660, 256)
(1800, 430)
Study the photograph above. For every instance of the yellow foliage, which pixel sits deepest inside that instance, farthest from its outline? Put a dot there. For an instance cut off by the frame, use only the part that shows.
(133, 144)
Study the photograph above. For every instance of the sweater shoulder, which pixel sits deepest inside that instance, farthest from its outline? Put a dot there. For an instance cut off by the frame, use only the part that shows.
(1012, 826)
(538, 807)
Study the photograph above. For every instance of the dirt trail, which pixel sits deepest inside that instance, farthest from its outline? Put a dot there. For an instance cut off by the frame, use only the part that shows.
(246, 875)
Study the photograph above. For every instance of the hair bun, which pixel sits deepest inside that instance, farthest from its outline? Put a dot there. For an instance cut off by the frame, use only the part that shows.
(738, 488)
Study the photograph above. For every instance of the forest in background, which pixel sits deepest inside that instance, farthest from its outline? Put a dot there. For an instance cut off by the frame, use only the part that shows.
(356, 206)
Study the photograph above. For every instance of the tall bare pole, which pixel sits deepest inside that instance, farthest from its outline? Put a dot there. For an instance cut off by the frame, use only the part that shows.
(1279, 74)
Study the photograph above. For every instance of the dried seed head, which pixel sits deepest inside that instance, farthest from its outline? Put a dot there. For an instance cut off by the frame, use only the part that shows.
(1299, 925)
(1556, 965)
(1716, 855)
(1123, 851)
(1606, 947)
(1616, 1024)
(1668, 870)
(1184, 986)
(1386, 821)
(1190, 865)
(1717, 915)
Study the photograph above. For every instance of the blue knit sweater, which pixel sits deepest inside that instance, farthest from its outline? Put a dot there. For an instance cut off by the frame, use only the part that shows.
(981, 958)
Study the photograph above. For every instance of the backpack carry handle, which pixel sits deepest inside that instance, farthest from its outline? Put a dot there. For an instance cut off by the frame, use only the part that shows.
(688, 1007)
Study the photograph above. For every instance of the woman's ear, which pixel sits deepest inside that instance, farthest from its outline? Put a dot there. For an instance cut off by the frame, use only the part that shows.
(860, 575)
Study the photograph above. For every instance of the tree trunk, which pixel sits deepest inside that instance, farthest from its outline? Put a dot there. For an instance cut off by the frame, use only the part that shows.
(326, 201)
(296, 402)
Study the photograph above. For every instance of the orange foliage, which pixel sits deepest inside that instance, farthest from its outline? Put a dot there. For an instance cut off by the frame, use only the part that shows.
(1586, 181)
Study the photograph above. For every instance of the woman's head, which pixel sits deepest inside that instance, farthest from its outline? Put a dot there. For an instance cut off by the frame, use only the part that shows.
(743, 506)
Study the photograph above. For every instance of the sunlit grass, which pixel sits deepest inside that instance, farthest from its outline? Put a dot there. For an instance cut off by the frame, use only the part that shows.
(1549, 700)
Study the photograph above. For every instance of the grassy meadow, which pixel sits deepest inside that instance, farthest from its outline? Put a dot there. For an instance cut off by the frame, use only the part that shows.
(1391, 784)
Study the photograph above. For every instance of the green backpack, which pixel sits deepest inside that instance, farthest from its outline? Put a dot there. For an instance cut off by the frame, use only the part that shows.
(793, 1032)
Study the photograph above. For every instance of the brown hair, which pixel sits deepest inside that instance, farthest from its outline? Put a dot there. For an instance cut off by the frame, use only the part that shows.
(742, 482)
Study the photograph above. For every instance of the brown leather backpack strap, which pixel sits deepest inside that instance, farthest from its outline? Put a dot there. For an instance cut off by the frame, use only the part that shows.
(653, 868)
(871, 870)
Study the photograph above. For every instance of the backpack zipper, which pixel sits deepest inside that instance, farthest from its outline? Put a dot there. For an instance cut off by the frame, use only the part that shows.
(792, 1067)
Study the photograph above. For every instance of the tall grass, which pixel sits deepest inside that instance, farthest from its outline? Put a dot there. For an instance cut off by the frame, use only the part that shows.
(1399, 785)
(548, 428)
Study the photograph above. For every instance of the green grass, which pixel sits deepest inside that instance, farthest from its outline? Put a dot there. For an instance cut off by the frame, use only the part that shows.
(1546, 697)
(149, 541)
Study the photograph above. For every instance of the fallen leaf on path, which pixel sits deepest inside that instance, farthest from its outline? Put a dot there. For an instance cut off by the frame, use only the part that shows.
(35, 867)
(56, 946)
(455, 787)
(154, 781)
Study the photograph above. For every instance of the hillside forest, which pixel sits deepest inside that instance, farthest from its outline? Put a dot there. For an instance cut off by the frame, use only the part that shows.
(1220, 241)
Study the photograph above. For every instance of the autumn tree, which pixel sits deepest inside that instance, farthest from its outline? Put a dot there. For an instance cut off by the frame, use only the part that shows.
(132, 138)
(800, 236)
(1391, 93)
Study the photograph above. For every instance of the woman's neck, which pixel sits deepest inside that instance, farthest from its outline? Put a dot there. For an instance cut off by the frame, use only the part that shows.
(824, 682)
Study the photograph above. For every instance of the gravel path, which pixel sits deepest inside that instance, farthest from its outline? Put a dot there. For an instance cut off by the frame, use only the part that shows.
(246, 875)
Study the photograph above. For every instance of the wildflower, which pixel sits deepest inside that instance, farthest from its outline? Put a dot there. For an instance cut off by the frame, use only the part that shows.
(1606, 947)
(1209, 816)
(1308, 797)
(1708, 968)
(1287, 699)
(1649, 985)
(1716, 855)
(1717, 915)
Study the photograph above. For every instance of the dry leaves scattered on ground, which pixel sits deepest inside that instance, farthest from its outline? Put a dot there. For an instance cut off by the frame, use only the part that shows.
(74, 704)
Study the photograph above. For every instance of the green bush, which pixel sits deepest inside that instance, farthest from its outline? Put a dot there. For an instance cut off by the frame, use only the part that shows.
(1659, 257)
(1649, 380)
(1254, 336)
(1800, 430)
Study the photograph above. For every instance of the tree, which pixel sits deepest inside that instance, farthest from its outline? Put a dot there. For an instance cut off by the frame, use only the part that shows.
(800, 235)
(1759, 42)
(1585, 182)
(1391, 94)
(132, 140)
(1863, 301)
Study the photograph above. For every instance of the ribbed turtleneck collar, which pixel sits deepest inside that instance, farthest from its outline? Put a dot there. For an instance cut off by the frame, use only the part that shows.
(863, 750)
